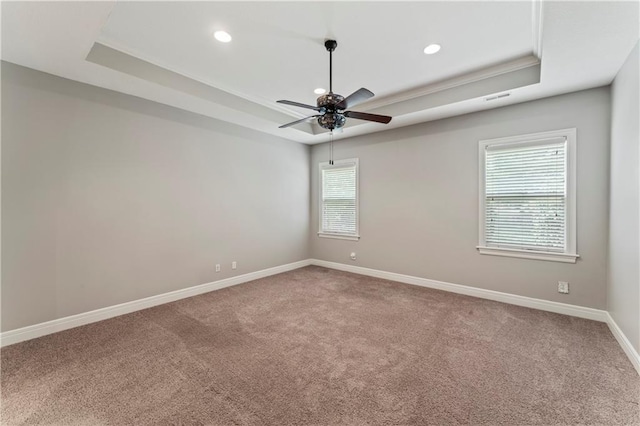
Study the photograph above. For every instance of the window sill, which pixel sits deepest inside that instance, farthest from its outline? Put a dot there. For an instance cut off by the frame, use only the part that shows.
(339, 236)
(529, 254)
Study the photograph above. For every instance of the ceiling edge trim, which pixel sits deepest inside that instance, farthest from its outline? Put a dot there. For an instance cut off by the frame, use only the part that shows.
(139, 68)
(474, 91)
(537, 21)
(507, 75)
(136, 54)
(460, 80)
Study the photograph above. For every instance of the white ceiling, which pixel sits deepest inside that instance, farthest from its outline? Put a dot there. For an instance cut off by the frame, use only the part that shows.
(165, 52)
(278, 51)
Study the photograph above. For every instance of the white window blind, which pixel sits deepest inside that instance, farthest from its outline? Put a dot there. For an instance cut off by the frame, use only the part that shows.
(339, 198)
(526, 196)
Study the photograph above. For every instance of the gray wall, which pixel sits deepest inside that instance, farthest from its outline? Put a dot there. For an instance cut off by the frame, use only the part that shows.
(624, 231)
(419, 200)
(107, 198)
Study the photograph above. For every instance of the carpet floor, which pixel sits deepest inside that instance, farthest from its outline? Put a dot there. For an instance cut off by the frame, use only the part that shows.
(321, 347)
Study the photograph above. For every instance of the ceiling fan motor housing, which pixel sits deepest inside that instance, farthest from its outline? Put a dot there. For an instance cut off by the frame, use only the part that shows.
(329, 101)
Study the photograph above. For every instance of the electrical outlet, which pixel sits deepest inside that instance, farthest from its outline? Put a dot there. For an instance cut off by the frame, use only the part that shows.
(353, 256)
(218, 267)
(563, 287)
(234, 265)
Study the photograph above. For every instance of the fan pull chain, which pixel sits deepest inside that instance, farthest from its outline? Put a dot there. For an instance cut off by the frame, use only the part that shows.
(331, 147)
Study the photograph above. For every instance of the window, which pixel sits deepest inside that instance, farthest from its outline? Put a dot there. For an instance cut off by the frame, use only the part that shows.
(339, 199)
(528, 196)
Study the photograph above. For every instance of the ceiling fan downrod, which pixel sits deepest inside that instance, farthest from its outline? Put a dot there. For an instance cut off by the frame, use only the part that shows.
(330, 45)
(331, 119)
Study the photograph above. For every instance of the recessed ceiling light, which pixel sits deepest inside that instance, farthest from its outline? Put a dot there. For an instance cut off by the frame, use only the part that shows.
(222, 36)
(431, 49)
(319, 91)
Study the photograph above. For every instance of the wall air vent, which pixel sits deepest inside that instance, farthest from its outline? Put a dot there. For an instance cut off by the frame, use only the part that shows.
(493, 98)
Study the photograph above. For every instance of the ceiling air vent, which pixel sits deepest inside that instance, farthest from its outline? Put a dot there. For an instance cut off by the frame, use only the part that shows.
(493, 98)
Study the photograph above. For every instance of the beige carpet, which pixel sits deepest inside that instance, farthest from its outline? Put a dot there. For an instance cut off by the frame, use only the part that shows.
(322, 347)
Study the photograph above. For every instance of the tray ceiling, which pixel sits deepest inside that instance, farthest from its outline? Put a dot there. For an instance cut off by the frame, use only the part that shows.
(166, 52)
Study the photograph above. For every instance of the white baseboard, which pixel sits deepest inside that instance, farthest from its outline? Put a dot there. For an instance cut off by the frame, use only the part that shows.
(49, 327)
(626, 345)
(54, 326)
(529, 302)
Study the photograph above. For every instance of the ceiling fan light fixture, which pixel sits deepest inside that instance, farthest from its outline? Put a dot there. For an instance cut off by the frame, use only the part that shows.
(332, 121)
(319, 91)
(432, 48)
(222, 36)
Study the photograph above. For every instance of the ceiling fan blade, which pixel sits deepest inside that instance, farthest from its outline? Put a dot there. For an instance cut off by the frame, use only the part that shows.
(293, 123)
(298, 104)
(355, 98)
(369, 117)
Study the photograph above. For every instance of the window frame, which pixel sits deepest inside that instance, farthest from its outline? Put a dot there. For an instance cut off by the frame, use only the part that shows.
(338, 164)
(570, 252)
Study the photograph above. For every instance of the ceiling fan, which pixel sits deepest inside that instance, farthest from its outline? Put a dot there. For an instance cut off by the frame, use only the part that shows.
(331, 106)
